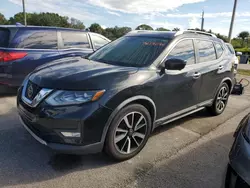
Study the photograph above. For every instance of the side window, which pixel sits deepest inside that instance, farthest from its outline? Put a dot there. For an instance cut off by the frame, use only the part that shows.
(75, 39)
(35, 39)
(206, 51)
(184, 50)
(231, 50)
(219, 50)
(98, 41)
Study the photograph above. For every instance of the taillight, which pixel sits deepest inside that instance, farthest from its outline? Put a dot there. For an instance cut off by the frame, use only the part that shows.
(10, 56)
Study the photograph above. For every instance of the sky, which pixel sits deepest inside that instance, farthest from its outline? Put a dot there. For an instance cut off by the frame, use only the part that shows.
(169, 14)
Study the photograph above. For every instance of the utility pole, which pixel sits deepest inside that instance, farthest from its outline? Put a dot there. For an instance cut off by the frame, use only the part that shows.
(202, 21)
(24, 14)
(232, 21)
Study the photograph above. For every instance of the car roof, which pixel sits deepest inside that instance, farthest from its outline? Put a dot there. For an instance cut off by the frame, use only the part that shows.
(172, 34)
(155, 34)
(40, 27)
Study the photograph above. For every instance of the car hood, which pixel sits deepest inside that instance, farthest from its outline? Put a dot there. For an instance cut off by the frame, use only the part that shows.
(80, 74)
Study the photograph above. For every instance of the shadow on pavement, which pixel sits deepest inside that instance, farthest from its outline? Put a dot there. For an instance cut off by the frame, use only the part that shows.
(7, 91)
(23, 160)
(203, 166)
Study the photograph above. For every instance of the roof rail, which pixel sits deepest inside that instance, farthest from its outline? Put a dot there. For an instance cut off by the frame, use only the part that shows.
(138, 31)
(193, 31)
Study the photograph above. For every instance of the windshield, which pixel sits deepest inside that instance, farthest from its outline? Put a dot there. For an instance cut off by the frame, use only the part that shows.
(131, 51)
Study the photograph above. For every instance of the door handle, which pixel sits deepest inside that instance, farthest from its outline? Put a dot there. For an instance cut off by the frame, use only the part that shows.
(221, 67)
(196, 75)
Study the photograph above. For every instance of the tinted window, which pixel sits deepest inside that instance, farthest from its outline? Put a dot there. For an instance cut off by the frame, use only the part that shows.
(98, 41)
(131, 51)
(4, 37)
(219, 50)
(35, 39)
(184, 50)
(206, 51)
(230, 48)
(75, 39)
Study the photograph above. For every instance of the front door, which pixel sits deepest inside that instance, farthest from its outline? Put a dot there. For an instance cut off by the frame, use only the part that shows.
(178, 91)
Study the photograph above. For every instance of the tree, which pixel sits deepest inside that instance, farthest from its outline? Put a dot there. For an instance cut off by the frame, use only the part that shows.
(222, 37)
(3, 20)
(144, 27)
(77, 24)
(162, 29)
(116, 32)
(176, 29)
(243, 35)
(95, 27)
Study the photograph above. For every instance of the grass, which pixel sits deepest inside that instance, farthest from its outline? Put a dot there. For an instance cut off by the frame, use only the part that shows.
(243, 72)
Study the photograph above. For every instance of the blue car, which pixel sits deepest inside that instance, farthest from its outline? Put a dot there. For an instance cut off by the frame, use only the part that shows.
(22, 49)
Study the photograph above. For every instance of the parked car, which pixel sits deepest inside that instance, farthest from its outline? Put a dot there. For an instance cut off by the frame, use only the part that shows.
(116, 97)
(238, 172)
(22, 49)
(234, 55)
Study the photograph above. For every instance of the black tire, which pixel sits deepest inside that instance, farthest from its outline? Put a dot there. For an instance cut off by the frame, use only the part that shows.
(115, 148)
(214, 109)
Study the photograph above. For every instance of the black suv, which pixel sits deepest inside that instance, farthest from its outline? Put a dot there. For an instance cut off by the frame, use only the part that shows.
(116, 97)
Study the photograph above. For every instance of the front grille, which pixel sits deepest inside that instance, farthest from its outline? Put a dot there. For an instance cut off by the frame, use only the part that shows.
(32, 90)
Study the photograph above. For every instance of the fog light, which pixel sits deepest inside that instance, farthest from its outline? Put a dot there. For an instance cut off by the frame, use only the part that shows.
(71, 134)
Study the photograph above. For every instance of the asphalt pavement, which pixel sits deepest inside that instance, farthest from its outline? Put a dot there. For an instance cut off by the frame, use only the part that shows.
(191, 152)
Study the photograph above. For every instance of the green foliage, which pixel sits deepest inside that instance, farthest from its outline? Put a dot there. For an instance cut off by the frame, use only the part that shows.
(116, 32)
(144, 27)
(243, 50)
(236, 42)
(96, 28)
(176, 29)
(3, 20)
(162, 29)
(243, 35)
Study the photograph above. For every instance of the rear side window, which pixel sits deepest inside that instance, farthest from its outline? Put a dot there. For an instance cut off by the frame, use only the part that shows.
(219, 50)
(75, 39)
(206, 51)
(4, 37)
(35, 39)
(230, 48)
(184, 50)
(98, 41)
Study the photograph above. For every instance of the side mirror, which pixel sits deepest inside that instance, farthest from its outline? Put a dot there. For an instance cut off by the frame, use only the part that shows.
(238, 53)
(175, 64)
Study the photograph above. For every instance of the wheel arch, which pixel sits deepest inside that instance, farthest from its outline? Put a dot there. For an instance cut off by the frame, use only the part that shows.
(145, 101)
(228, 81)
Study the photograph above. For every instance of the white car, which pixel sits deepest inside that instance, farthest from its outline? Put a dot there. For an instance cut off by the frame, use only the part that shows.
(232, 52)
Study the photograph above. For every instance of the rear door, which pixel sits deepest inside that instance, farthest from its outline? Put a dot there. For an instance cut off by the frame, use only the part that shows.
(38, 45)
(212, 66)
(74, 43)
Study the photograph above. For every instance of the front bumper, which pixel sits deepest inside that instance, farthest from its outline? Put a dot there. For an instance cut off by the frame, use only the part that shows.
(45, 123)
(239, 158)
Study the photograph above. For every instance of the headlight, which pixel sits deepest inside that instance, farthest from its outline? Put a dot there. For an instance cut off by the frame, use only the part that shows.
(60, 98)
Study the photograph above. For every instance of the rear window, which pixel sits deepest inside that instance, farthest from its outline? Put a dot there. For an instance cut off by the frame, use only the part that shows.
(75, 39)
(35, 39)
(230, 48)
(206, 51)
(219, 50)
(4, 37)
(131, 51)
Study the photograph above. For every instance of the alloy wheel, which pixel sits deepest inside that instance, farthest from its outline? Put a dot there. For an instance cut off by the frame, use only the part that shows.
(222, 97)
(130, 132)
